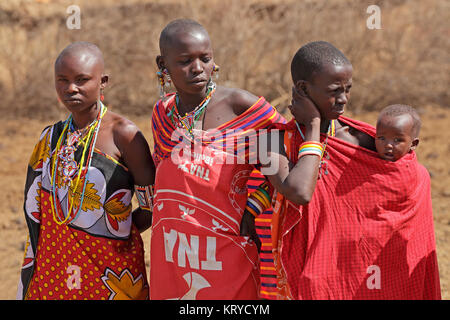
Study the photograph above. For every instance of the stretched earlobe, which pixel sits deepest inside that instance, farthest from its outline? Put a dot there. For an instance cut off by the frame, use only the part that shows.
(414, 144)
(104, 81)
(160, 62)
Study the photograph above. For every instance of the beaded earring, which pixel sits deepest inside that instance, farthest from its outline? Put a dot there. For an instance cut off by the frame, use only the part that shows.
(163, 74)
(215, 72)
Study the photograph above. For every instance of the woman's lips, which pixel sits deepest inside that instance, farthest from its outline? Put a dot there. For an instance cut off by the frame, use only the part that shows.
(339, 109)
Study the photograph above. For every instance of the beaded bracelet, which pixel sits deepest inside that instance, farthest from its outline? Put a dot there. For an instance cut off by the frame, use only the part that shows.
(253, 207)
(260, 200)
(310, 147)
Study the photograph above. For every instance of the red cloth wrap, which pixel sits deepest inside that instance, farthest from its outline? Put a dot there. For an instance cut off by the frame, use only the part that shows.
(196, 248)
(368, 231)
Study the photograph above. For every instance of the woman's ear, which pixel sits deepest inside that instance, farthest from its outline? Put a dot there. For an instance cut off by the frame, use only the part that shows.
(414, 144)
(160, 62)
(104, 81)
(300, 85)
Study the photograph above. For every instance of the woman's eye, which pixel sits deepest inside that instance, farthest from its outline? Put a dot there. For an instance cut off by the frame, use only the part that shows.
(337, 90)
(82, 80)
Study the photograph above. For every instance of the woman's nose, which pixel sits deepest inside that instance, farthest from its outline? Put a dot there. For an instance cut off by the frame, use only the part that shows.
(72, 87)
(342, 98)
(197, 67)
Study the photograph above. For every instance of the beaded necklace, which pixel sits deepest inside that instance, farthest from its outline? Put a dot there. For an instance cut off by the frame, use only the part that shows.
(330, 132)
(189, 119)
(65, 154)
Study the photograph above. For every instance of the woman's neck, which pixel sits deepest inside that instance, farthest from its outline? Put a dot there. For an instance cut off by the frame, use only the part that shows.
(83, 119)
(188, 102)
(324, 125)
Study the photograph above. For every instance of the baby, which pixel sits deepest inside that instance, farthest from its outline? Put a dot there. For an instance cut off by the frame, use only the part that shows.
(397, 133)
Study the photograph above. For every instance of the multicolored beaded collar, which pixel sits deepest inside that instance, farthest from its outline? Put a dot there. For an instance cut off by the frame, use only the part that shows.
(188, 120)
(63, 161)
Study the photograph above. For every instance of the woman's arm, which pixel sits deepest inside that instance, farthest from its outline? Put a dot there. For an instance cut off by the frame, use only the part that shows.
(297, 183)
(137, 157)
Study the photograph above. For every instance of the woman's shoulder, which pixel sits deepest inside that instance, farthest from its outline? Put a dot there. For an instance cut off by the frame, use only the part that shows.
(52, 130)
(124, 131)
(121, 126)
(240, 100)
(162, 104)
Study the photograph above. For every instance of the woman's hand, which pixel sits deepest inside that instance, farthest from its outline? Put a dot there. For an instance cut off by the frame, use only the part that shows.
(303, 108)
(248, 228)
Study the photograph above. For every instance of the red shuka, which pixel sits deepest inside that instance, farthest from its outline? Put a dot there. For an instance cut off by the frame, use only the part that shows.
(367, 233)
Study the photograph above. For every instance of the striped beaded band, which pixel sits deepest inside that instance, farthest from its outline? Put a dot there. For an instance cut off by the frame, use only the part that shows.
(260, 200)
(253, 207)
(144, 195)
(310, 148)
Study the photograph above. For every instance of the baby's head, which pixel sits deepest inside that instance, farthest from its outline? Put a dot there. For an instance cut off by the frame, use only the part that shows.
(398, 129)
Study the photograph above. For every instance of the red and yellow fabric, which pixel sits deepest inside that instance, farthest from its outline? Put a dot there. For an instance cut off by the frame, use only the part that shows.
(367, 233)
(100, 254)
(196, 249)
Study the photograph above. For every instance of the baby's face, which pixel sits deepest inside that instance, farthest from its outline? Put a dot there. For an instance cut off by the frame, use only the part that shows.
(394, 136)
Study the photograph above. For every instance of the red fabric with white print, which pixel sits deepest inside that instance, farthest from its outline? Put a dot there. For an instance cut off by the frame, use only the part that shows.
(196, 248)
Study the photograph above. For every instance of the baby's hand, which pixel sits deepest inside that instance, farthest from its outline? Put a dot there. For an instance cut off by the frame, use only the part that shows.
(302, 108)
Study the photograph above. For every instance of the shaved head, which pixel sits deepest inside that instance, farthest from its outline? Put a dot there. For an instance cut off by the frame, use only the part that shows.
(87, 52)
(170, 34)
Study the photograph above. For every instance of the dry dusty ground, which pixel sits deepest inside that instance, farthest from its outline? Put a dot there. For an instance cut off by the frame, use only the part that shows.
(17, 138)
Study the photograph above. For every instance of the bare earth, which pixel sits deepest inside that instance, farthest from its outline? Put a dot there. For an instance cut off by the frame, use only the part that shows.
(19, 136)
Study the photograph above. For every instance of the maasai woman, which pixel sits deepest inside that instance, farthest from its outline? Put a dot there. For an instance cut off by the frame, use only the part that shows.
(200, 245)
(367, 232)
(84, 240)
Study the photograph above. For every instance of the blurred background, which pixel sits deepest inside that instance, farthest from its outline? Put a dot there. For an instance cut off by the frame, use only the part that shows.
(406, 61)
